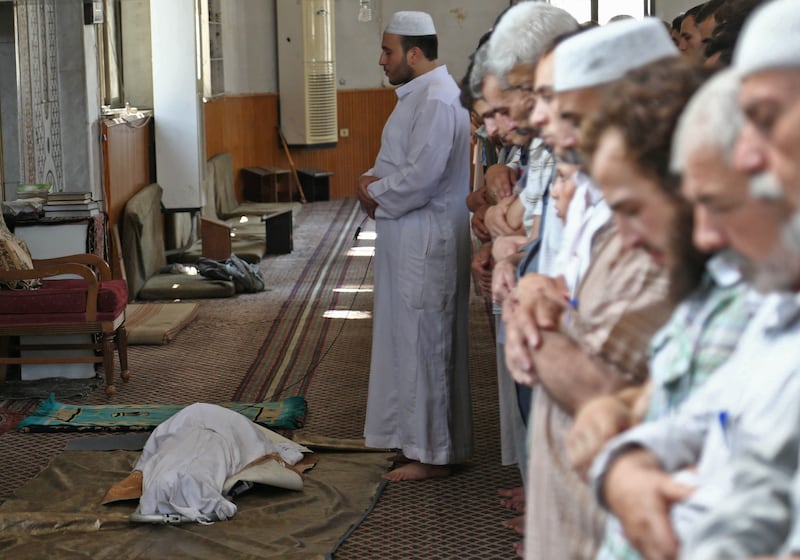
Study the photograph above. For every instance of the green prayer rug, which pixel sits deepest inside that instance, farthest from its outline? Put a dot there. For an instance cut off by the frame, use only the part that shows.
(53, 416)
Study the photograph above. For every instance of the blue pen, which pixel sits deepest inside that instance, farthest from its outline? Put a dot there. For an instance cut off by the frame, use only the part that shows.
(723, 422)
(572, 305)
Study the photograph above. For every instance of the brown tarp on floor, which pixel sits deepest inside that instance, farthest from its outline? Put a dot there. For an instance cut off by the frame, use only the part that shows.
(58, 514)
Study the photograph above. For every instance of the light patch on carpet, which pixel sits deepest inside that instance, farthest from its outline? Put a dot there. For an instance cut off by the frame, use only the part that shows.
(157, 323)
(361, 252)
(354, 290)
(345, 314)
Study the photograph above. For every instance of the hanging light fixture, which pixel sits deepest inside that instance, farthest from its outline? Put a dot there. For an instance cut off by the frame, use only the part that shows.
(364, 11)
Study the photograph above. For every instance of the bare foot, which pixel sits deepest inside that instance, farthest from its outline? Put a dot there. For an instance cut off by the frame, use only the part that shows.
(513, 498)
(516, 523)
(417, 471)
(519, 548)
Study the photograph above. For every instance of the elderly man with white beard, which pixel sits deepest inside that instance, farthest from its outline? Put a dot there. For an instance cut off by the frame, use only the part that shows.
(761, 516)
(739, 425)
(705, 328)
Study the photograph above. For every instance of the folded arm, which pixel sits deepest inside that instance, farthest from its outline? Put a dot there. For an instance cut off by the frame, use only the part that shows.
(418, 179)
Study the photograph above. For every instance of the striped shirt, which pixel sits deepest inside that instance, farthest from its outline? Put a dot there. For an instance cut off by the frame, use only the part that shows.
(623, 302)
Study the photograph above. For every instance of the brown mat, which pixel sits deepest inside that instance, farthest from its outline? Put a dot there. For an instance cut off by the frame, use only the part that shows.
(157, 323)
(60, 511)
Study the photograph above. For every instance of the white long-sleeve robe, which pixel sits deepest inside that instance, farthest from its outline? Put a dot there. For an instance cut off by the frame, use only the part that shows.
(419, 389)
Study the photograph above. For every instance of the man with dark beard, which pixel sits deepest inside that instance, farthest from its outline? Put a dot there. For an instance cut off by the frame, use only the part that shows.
(761, 514)
(738, 427)
(706, 326)
(419, 400)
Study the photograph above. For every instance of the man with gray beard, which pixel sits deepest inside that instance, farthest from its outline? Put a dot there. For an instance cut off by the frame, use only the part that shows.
(705, 328)
(762, 514)
(741, 428)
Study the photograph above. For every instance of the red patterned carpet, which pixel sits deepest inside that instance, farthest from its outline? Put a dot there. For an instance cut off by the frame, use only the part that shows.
(302, 337)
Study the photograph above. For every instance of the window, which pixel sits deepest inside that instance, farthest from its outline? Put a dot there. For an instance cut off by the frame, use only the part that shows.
(607, 10)
(108, 45)
(581, 10)
(602, 10)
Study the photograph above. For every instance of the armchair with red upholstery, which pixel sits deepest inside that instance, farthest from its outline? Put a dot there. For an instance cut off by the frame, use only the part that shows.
(92, 304)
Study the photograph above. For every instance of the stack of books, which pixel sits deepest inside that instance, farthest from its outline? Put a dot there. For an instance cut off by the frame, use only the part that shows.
(71, 205)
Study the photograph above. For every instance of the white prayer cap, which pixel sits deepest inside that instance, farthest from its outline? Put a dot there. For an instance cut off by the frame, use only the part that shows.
(605, 54)
(411, 24)
(770, 39)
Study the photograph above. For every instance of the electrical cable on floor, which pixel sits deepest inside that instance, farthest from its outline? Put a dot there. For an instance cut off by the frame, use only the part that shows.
(312, 368)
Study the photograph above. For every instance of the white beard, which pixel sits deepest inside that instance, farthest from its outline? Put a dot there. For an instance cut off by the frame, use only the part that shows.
(765, 186)
(790, 233)
(779, 272)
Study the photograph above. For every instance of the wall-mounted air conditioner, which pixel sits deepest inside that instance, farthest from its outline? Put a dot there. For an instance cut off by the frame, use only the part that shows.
(307, 71)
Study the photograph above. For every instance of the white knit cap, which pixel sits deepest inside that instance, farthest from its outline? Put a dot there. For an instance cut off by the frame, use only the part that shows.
(770, 39)
(605, 54)
(411, 24)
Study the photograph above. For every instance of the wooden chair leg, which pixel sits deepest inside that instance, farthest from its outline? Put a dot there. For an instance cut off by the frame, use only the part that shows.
(122, 351)
(108, 362)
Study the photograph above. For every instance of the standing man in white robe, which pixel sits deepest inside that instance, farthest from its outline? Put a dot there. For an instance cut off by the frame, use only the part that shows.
(419, 399)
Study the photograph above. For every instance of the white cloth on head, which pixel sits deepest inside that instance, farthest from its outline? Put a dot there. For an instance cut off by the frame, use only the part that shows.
(770, 39)
(187, 459)
(411, 24)
(605, 54)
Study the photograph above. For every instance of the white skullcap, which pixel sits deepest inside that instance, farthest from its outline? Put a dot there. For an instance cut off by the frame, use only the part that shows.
(770, 39)
(411, 24)
(605, 54)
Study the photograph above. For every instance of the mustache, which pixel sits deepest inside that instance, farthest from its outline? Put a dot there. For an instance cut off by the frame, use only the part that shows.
(765, 187)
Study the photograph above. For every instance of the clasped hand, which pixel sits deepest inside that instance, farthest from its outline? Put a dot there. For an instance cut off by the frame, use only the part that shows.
(534, 305)
(368, 203)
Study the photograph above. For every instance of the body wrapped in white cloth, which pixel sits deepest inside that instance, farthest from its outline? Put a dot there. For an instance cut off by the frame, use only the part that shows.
(188, 458)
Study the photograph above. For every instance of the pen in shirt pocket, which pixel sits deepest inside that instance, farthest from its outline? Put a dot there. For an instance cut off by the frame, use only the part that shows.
(572, 307)
(723, 423)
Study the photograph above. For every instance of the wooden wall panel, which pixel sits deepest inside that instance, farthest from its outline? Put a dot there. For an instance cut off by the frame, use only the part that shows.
(127, 163)
(245, 125)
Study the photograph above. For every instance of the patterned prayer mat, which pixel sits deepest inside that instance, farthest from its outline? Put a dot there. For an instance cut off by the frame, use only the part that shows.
(157, 323)
(53, 416)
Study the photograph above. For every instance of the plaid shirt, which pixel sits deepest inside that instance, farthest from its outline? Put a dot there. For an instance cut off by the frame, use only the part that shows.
(701, 334)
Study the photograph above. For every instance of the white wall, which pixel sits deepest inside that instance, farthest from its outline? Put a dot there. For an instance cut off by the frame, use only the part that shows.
(179, 134)
(459, 25)
(249, 42)
(248, 46)
(358, 47)
(137, 63)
